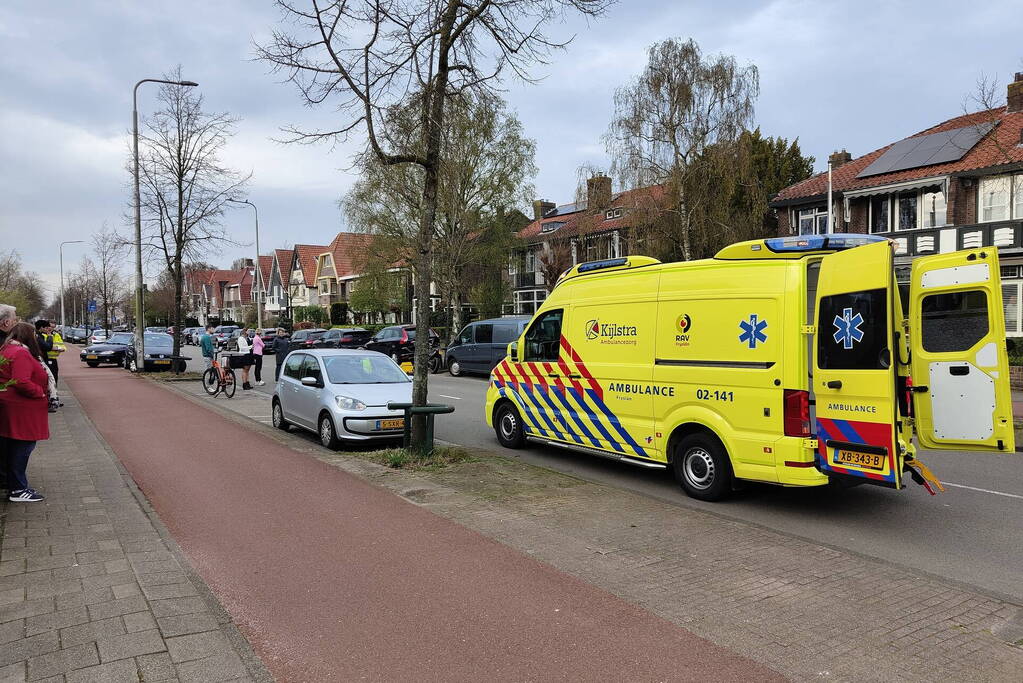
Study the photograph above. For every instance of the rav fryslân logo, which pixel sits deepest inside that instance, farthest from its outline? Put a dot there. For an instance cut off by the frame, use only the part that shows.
(683, 325)
(611, 333)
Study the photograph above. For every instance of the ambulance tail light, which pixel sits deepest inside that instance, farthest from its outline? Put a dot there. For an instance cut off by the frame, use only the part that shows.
(797, 413)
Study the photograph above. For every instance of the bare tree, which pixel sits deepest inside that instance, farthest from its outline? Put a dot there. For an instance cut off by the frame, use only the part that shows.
(184, 184)
(366, 56)
(554, 259)
(108, 249)
(680, 106)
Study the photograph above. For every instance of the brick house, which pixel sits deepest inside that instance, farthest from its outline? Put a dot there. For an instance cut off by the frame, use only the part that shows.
(956, 185)
(277, 300)
(219, 294)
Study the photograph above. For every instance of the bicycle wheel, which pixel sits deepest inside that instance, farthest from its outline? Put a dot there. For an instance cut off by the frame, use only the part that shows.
(230, 384)
(210, 382)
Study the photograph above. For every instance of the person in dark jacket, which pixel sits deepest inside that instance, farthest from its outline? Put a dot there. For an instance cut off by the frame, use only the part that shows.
(281, 346)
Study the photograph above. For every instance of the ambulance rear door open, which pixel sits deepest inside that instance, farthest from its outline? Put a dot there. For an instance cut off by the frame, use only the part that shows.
(962, 399)
(853, 368)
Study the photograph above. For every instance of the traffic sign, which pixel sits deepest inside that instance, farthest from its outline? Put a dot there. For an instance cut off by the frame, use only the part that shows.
(92, 306)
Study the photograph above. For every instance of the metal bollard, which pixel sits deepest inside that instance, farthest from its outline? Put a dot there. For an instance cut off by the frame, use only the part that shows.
(429, 410)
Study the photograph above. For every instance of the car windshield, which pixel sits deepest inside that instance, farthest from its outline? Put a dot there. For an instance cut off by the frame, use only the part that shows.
(121, 338)
(363, 369)
(154, 340)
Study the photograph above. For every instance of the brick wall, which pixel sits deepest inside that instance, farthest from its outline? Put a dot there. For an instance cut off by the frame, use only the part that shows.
(962, 201)
(858, 215)
(783, 220)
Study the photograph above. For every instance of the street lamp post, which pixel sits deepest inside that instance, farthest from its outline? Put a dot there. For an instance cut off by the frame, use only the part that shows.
(60, 249)
(139, 321)
(259, 273)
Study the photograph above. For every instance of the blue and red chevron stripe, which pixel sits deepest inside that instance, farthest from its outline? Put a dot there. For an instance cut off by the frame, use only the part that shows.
(543, 399)
(853, 432)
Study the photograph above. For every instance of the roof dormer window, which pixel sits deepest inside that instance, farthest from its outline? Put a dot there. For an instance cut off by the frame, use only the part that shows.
(551, 226)
(612, 213)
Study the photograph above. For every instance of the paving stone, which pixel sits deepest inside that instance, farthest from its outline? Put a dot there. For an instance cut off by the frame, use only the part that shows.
(93, 630)
(56, 620)
(62, 661)
(107, 580)
(116, 566)
(12, 630)
(12, 595)
(170, 590)
(26, 608)
(13, 673)
(125, 589)
(162, 578)
(55, 587)
(113, 608)
(187, 623)
(31, 646)
(197, 646)
(8, 567)
(175, 606)
(223, 667)
(139, 621)
(121, 671)
(51, 562)
(156, 667)
(130, 645)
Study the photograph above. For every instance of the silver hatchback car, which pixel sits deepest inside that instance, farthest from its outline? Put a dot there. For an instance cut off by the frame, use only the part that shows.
(342, 395)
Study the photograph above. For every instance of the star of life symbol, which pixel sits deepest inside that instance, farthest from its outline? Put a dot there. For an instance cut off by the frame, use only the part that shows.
(753, 331)
(847, 328)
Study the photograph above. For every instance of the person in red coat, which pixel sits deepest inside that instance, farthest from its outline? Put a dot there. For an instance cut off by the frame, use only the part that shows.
(24, 419)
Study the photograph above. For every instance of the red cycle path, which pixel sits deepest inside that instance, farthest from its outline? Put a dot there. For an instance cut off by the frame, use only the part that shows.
(332, 578)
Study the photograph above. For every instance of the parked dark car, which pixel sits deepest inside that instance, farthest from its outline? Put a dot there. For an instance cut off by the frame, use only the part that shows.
(306, 339)
(159, 354)
(110, 351)
(221, 333)
(398, 342)
(232, 341)
(482, 344)
(267, 334)
(77, 335)
(343, 338)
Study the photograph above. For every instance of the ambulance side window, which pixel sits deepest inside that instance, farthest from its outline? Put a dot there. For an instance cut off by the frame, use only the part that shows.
(954, 321)
(543, 340)
(852, 331)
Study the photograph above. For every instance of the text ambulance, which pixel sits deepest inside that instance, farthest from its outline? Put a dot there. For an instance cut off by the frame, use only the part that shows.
(792, 360)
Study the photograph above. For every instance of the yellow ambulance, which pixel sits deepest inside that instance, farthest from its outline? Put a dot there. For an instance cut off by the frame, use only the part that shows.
(796, 361)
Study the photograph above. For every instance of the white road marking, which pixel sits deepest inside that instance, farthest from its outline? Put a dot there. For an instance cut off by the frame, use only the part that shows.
(974, 488)
(457, 398)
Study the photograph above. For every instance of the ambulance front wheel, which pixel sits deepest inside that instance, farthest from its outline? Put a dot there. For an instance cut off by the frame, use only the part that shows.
(702, 468)
(508, 426)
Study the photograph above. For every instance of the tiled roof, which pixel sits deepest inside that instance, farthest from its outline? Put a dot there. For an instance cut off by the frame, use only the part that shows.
(1000, 146)
(306, 255)
(348, 251)
(283, 257)
(265, 265)
(585, 221)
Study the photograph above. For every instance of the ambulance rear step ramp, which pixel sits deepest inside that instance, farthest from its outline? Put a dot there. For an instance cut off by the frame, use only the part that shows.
(603, 454)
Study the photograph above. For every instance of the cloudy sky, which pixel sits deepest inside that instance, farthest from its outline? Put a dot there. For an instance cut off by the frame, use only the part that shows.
(853, 74)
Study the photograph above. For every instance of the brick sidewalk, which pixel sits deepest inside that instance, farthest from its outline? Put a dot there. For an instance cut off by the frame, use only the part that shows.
(92, 588)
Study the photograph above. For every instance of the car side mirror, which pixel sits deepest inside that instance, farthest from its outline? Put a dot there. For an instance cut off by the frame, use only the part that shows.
(513, 352)
(310, 381)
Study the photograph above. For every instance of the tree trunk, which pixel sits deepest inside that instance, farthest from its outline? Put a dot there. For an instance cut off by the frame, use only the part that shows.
(456, 315)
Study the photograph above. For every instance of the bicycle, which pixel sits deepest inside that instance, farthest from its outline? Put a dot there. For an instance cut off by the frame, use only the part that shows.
(218, 378)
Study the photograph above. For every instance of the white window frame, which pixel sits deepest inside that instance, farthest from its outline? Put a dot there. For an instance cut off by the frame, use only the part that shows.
(815, 214)
(893, 209)
(1007, 181)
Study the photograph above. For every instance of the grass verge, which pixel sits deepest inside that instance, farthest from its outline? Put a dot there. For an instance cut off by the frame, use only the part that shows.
(404, 459)
(175, 377)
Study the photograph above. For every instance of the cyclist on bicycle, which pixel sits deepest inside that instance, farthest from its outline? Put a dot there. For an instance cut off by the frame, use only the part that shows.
(206, 345)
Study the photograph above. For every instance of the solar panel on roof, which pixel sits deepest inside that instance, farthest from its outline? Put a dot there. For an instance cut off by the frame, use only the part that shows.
(927, 150)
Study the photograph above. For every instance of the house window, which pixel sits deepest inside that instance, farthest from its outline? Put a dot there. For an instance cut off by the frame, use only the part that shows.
(880, 213)
(530, 261)
(994, 195)
(1017, 193)
(527, 301)
(551, 227)
(613, 213)
(907, 210)
(813, 221)
(932, 207)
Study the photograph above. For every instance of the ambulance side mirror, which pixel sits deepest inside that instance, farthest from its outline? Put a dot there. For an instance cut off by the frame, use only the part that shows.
(513, 352)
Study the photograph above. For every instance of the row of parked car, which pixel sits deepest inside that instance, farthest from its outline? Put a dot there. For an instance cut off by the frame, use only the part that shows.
(119, 349)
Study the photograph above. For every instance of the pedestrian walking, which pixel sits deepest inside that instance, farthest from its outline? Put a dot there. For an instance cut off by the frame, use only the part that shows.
(206, 346)
(23, 405)
(8, 317)
(244, 357)
(257, 358)
(282, 344)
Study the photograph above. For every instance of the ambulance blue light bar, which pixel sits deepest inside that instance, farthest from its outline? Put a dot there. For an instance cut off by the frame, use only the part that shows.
(820, 242)
(600, 265)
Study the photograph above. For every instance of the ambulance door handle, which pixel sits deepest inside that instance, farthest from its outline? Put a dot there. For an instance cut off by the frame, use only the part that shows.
(575, 376)
(834, 384)
(959, 370)
(553, 375)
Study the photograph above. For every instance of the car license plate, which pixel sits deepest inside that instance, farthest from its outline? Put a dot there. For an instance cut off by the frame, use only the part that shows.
(871, 461)
(162, 362)
(391, 424)
(91, 357)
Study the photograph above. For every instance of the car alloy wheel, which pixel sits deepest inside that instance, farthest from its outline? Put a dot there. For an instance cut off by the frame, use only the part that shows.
(328, 438)
(278, 417)
(455, 368)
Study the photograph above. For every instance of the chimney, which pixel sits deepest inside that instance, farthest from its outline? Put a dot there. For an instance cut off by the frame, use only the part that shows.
(1014, 95)
(839, 158)
(541, 207)
(598, 192)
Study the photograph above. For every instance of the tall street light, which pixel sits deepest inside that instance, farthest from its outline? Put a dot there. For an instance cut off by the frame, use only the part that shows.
(63, 320)
(139, 321)
(259, 271)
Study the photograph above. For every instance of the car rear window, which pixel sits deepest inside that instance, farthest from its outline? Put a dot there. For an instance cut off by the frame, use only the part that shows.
(316, 335)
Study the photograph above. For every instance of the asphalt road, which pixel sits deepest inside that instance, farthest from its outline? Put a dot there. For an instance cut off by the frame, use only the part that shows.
(971, 534)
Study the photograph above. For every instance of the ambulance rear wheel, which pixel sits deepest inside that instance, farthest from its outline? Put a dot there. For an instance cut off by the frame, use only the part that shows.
(702, 468)
(508, 426)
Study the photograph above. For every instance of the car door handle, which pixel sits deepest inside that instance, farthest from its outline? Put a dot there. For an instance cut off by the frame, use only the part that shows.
(959, 370)
(834, 384)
